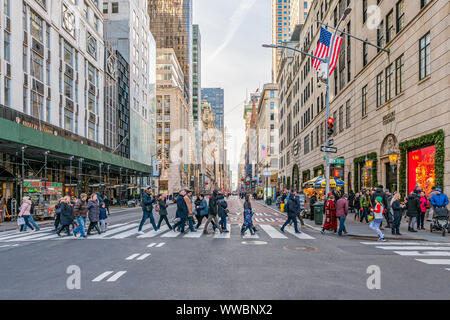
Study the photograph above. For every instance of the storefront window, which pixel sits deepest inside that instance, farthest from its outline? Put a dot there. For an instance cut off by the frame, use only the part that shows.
(421, 169)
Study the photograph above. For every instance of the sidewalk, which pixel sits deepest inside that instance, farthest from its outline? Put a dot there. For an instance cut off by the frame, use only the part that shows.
(12, 225)
(360, 230)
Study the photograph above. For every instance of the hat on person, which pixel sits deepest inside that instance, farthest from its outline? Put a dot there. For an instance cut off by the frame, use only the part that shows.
(379, 199)
(438, 189)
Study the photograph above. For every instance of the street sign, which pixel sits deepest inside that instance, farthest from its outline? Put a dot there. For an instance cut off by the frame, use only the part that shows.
(328, 149)
(330, 142)
(337, 161)
(267, 173)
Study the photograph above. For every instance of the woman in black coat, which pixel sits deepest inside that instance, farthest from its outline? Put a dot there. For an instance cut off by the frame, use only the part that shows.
(93, 208)
(162, 203)
(66, 215)
(412, 210)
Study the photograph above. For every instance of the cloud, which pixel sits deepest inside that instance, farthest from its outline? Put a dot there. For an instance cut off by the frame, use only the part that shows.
(235, 22)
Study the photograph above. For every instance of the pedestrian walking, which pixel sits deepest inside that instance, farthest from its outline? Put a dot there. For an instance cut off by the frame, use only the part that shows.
(31, 219)
(378, 218)
(67, 216)
(93, 208)
(162, 204)
(424, 203)
(431, 211)
(412, 210)
(248, 222)
(342, 208)
(379, 192)
(24, 213)
(330, 215)
(293, 207)
(202, 209)
(80, 213)
(213, 210)
(357, 206)
(182, 212)
(366, 204)
(147, 209)
(351, 201)
(190, 219)
(223, 212)
(396, 208)
(301, 200)
(103, 216)
(248, 205)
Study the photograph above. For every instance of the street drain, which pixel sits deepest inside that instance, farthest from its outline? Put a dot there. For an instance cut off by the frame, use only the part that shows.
(300, 248)
(254, 242)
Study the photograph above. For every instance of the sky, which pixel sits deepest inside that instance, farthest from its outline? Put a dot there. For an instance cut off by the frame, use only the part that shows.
(232, 33)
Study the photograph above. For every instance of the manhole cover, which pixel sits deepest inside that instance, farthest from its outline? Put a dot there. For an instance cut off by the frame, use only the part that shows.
(300, 248)
(254, 242)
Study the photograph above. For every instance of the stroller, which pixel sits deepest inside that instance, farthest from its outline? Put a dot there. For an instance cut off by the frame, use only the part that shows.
(440, 220)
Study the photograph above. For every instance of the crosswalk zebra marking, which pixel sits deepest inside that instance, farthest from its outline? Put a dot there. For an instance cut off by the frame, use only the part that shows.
(414, 248)
(133, 256)
(435, 261)
(154, 233)
(225, 235)
(144, 256)
(115, 231)
(302, 235)
(376, 243)
(171, 234)
(197, 234)
(272, 232)
(160, 245)
(151, 245)
(9, 245)
(102, 276)
(116, 276)
(425, 253)
(130, 233)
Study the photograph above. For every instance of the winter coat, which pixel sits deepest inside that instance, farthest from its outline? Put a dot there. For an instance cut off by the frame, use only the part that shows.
(189, 206)
(94, 211)
(380, 193)
(413, 205)
(357, 203)
(66, 214)
(213, 207)
(147, 202)
(182, 209)
(103, 213)
(222, 205)
(439, 200)
(423, 204)
(162, 207)
(203, 208)
(342, 207)
(366, 201)
(25, 208)
(293, 207)
(80, 209)
(396, 207)
(248, 215)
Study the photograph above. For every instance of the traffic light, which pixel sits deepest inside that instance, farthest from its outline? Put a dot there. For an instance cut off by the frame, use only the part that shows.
(330, 126)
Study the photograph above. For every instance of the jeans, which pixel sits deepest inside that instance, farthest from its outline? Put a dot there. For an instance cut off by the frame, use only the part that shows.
(375, 225)
(364, 214)
(396, 223)
(342, 225)
(289, 219)
(191, 223)
(223, 223)
(102, 225)
(164, 217)
(81, 225)
(248, 228)
(421, 220)
(412, 222)
(180, 224)
(145, 216)
(32, 222)
(27, 223)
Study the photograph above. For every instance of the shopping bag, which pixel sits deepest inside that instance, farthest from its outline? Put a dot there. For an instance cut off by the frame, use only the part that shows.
(20, 221)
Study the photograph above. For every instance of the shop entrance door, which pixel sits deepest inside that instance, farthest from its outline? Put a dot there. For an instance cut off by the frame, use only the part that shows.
(391, 177)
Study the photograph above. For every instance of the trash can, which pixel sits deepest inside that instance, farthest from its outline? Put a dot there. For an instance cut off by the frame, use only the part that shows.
(269, 201)
(282, 207)
(318, 213)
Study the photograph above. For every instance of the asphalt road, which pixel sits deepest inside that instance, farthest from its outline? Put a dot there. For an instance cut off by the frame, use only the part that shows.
(167, 265)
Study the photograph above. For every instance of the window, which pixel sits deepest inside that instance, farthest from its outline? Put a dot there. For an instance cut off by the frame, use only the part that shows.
(379, 89)
(105, 7)
(341, 119)
(91, 131)
(424, 56)
(37, 105)
(7, 92)
(349, 53)
(336, 119)
(364, 54)
(399, 75)
(364, 101)
(400, 14)
(389, 85)
(115, 7)
(37, 66)
(347, 114)
(306, 144)
(380, 35)
(389, 26)
(312, 140)
(37, 29)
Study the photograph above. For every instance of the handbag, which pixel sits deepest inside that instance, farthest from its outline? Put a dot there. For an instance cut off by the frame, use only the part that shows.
(20, 221)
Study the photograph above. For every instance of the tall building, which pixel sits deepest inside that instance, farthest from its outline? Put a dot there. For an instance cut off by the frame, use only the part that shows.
(123, 117)
(391, 113)
(210, 149)
(215, 96)
(174, 149)
(52, 112)
(171, 25)
(127, 30)
(299, 11)
(196, 105)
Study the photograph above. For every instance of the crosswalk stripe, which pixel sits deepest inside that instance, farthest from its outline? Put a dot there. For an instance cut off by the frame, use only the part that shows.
(130, 232)
(9, 245)
(197, 234)
(272, 232)
(160, 245)
(133, 256)
(151, 245)
(447, 269)
(225, 235)
(144, 256)
(425, 253)
(52, 236)
(435, 261)
(171, 234)
(102, 276)
(154, 233)
(116, 276)
(407, 243)
(31, 237)
(117, 230)
(302, 236)
(19, 235)
(414, 248)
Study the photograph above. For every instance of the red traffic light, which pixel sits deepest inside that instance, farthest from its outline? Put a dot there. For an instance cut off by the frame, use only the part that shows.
(248, 182)
(336, 173)
(330, 121)
(242, 179)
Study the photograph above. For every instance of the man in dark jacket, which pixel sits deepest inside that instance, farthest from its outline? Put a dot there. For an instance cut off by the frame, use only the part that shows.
(293, 208)
(213, 210)
(80, 212)
(222, 211)
(379, 192)
(182, 212)
(147, 209)
(413, 208)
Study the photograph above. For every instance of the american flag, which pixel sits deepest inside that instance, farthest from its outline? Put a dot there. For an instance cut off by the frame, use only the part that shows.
(323, 49)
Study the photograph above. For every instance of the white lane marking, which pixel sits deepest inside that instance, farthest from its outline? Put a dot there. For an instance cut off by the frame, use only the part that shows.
(408, 243)
(447, 269)
(171, 234)
(9, 245)
(31, 237)
(144, 256)
(102, 276)
(225, 235)
(302, 235)
(52, 236)
(115, 231)
(160, 245)
(130, 232)
(22, 234)
(116, 276)
(151, 245)
(425, 253)
(272, 232)
(414, 248)
(133, 256)
(154, 233)
(435, 261)
(197, 234)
